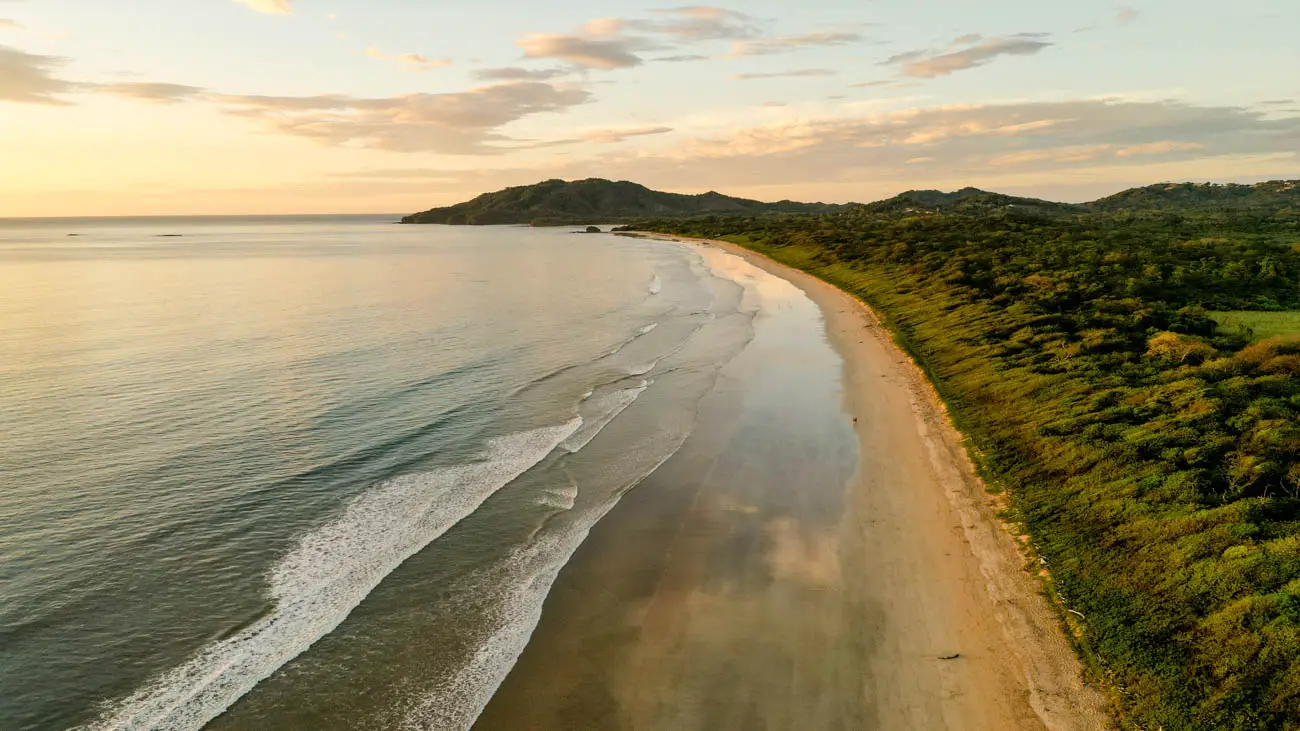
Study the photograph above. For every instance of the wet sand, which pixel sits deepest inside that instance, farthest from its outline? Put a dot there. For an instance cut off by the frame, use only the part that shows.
(801, 564)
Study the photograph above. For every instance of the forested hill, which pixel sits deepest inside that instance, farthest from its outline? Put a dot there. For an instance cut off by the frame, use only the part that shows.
(1272, 197)
(969, 201)
(559, 202)
(1267, 199)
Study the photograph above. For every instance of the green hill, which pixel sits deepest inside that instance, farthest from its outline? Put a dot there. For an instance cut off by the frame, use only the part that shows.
(1275, 196)
(967, 201)
(559, 202)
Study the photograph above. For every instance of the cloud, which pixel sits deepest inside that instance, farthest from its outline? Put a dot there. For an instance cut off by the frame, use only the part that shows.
(8, 24)
(967, 39)
(29, 78)
(1158, 148)
(1278, 102)
(616, 43)
(613, 53)
(774, 104)
(781, 74)
(1043, 135)
(149, 91)
(785, 44)
(270, 7)
(928, 65)
(1047, 145)
(1063, 149)
(702, 22)
(619, 135)
(864, 84)
(452, 123)
(1127, 15)
(691, 23)
(907, 56)
(412, 61)
(682, 58)
(517, 73)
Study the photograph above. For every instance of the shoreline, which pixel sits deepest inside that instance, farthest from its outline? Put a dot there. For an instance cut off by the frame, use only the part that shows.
(1052, 672)
(890, 596)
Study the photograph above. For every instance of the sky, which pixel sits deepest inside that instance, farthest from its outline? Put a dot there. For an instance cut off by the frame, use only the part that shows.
(138, 107)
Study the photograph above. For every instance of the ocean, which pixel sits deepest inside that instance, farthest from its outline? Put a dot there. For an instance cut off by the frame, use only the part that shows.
(321, 472)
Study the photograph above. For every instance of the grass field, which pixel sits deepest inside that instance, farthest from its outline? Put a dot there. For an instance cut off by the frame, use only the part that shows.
(1262, 324)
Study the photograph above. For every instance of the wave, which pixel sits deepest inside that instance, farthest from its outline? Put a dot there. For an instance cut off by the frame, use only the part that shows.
(642, 332)
(332, 569)
(644, 368)
(521, 583)
(608, 407)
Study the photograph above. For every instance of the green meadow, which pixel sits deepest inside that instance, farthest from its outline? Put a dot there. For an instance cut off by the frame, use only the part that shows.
(1259, 325)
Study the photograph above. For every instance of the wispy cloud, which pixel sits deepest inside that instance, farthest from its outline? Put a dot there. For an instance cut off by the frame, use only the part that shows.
(786, 44)
(927, 64)
(683, 58)
(518, 73)
(459, 123)
(690, 23)
(595, 53)
(1042, 135)
(412, 61)
(1158, 148)
(781, 74)
(149, 91)
(8, 24)
(270, 7)
(616, 43)
(30, 78)
(1127, 15)
(620, 135)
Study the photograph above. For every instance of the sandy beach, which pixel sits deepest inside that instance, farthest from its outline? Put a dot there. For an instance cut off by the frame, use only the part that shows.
(737, 589)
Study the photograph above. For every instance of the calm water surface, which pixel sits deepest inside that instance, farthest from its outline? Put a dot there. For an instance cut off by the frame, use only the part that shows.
(319, 472)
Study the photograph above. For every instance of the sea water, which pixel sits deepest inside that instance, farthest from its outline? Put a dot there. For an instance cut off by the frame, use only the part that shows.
(319, 472)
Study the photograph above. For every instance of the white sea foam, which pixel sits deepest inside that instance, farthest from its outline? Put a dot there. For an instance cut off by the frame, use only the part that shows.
(639, 333)
(521, 589)
(606, 407)
(656, 285)
(518, 585)
(326, 576)
(643, 369)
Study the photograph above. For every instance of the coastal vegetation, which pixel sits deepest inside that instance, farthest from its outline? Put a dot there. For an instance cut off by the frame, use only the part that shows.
(1110, 366)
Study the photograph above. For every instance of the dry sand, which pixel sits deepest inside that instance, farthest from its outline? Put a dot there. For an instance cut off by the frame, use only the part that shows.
(914, 608)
